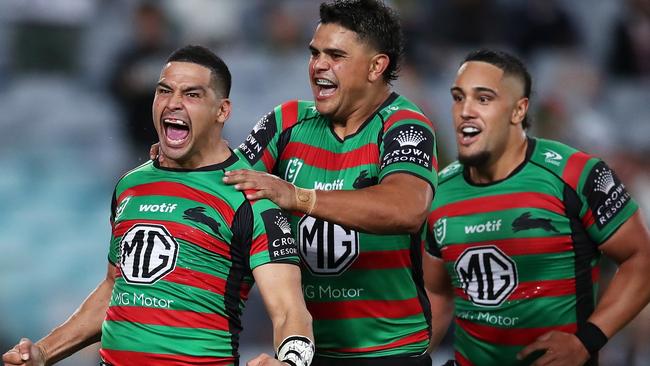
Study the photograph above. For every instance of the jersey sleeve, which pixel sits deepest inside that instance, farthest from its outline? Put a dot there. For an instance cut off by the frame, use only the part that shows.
(408, 146)
(606, 203)
(260, 148)
(113, 250)
(433, 229)
(272, 239)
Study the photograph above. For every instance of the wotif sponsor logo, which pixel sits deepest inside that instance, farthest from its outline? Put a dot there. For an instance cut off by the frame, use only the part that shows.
(337, 184)
(490, 226)
(165, 207)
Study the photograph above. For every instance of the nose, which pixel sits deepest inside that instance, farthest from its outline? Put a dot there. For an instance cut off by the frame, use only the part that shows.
(175, 101)
(319, 63)
(467, 109)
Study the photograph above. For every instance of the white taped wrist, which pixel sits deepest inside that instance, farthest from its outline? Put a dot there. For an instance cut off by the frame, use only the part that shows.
(296, 351)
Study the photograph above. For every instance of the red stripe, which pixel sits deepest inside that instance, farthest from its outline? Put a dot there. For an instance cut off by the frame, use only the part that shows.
(289, 114)
(461, 360)
(515, 246)
(499, 202)
(509, 336)
(196, 279)
(268, 160)
(413, 338)
(180, 231)
(166, 317)
(173, 189)
(260, 244)
(353, 309)
(574, 167)
(384, 259)
(405, 114)
(588, 218)
(536, 289)
(325, 159)
(116, 358)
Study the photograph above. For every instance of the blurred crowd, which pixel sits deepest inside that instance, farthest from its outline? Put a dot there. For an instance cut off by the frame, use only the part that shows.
(77, 80)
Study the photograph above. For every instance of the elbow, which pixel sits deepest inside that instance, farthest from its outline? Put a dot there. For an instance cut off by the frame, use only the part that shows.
(412, 222)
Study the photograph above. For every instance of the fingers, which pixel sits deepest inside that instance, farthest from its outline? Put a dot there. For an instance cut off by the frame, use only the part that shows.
(538, 345)
(259, 360)
(12, 357)
(25, 348)
(154, 150)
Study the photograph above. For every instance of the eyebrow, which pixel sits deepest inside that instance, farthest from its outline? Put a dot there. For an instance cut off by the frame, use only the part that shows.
(478, 89)
(184, 90)
(328, 51)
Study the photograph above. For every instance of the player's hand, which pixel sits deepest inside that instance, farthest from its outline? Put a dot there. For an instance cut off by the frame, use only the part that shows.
(154, 152)
(24, 353)
(561, 349)
(264, 360)
(258, 185)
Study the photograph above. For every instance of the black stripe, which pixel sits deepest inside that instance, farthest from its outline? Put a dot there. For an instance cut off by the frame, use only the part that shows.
(240, 245)
(418, 276)
(584, 250)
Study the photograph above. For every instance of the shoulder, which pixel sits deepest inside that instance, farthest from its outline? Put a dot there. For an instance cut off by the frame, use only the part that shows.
(563, 161)
(133, 175)
(400, 109)
(292, 112)
(449, 172)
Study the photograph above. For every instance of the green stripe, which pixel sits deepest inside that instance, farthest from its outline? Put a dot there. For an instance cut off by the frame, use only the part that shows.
(125, 336)
(183, 297)
(524, 313)
(364, 283)
(482, 353)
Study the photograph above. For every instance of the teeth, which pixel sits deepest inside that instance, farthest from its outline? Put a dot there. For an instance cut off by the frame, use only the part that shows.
(324, 82)
(470, 129)
(175, 121)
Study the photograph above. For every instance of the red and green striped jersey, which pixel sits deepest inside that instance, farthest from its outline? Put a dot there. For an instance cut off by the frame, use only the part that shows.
(523, 252)
(364, 291)
(184, 245)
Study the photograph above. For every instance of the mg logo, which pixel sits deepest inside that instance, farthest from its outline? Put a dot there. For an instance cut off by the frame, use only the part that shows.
(147, 254)
(326, 248)
(488, 275)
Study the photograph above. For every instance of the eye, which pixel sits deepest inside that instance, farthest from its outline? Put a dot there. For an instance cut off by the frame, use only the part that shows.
(484, 99)
(163, 91)
(456, 97)
(193, 95)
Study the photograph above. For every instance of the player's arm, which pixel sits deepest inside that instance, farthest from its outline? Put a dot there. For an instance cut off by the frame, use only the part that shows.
(441, 296)
(80, 330)
(398, 204)
(627, 294)
(279, 285)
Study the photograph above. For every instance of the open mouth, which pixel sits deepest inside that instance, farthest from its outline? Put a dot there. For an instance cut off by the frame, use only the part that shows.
(176, 130)
(468, 133)
(325, 87)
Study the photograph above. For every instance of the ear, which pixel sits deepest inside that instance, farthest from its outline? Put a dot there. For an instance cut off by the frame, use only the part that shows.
(519, 112)
(224, 111)
(378, 64)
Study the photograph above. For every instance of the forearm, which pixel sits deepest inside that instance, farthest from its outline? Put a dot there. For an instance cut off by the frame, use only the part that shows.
(81, 329)
(442, 312)
(386, 208)
(294, 322)
(627, 294)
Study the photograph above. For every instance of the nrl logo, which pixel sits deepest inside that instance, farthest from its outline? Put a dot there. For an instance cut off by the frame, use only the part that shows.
(120, 209)
(293, 167)
(552, 157)
(440, 230)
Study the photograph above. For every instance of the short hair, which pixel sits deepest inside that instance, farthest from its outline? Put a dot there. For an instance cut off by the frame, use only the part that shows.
(374, 23)
(220, 75)
(510, 64)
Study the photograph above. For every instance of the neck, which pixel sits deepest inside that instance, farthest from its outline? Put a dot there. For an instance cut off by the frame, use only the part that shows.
(367, 106)
(218, 153)
(500, 166)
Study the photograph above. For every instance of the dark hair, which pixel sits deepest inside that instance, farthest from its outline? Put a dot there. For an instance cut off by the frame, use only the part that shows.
(510, 64)
(221, 78)
(374, 23)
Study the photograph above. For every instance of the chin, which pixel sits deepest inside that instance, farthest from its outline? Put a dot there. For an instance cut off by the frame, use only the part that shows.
(474, 160)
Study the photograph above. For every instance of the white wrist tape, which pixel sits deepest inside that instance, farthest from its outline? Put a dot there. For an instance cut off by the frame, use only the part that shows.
(296, 351)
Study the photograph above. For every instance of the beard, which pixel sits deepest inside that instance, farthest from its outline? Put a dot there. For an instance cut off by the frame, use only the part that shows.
(475, 160)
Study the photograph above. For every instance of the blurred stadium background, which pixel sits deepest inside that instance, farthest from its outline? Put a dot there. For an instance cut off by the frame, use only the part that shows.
(77, 77)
